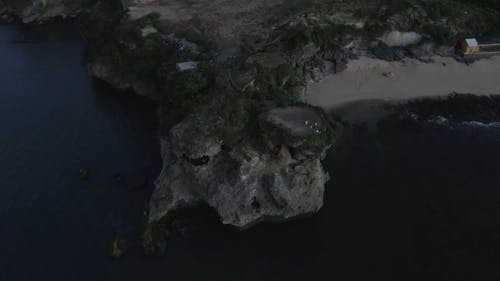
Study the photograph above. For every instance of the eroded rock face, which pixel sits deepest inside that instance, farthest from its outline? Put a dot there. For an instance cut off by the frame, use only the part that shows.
(120, 81)
(40, 10)
(244, 184)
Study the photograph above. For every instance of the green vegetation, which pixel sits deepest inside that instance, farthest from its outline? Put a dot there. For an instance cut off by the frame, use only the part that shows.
(20, 4)
(235, 121)
(201, 33)
(280, 85)
(238, 120)
(115, 40)
(469, 16)
(449, 20)
(396, 6)
(290, 8)
(324, 36)
(440, 34)
(185, 93)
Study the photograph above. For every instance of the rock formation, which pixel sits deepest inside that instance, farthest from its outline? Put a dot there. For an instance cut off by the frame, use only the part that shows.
(276, 177)
(253, 151)
(119, 81)
(39, 10)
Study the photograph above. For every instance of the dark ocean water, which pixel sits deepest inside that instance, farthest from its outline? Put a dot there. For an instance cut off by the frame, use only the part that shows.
(407, 202)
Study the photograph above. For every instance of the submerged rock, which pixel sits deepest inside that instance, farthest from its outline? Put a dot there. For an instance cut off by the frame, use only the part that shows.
(117, 249)
(154, 239)
(84, 174)
(118, 178)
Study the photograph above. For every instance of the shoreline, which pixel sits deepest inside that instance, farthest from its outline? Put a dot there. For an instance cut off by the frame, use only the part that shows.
(194, 153)
(375, 79)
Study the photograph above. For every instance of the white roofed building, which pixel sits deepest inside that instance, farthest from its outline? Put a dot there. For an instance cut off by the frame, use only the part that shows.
(470, 46)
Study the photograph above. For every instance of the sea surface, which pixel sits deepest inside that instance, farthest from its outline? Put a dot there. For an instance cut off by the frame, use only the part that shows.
(407, 201)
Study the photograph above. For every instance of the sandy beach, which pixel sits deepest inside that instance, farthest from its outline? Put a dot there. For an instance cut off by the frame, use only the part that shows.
(374, 79)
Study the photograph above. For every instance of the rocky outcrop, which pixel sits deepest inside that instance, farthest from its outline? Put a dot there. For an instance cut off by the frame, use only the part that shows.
(121, 81)
(39, 10)
(245, 183)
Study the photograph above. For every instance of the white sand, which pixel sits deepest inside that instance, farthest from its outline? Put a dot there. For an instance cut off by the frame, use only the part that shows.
(364, 80)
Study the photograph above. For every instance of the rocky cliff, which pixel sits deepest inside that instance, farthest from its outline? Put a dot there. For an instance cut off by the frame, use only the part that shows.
(39, 10)
(119, 81)
(235, 135)
(271, 173)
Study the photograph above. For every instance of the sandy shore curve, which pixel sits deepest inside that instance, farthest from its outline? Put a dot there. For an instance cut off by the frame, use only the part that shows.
(375, 79)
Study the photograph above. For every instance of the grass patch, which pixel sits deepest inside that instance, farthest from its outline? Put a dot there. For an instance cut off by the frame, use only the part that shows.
(280, 85)
(451, 20)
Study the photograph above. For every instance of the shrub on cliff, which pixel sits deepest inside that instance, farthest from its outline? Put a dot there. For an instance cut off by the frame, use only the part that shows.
(439, 34)
(296, 37)
(115, 40)
(186, 92)
(280, 84)
(447, 21)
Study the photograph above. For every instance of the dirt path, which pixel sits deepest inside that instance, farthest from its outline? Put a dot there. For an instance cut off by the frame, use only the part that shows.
(230, 18)
(364, 79)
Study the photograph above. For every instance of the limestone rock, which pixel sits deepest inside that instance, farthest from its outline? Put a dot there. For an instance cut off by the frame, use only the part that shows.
(401, 39)
(148, 30)
(120, 81)
(244, 184)
(186, 66)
